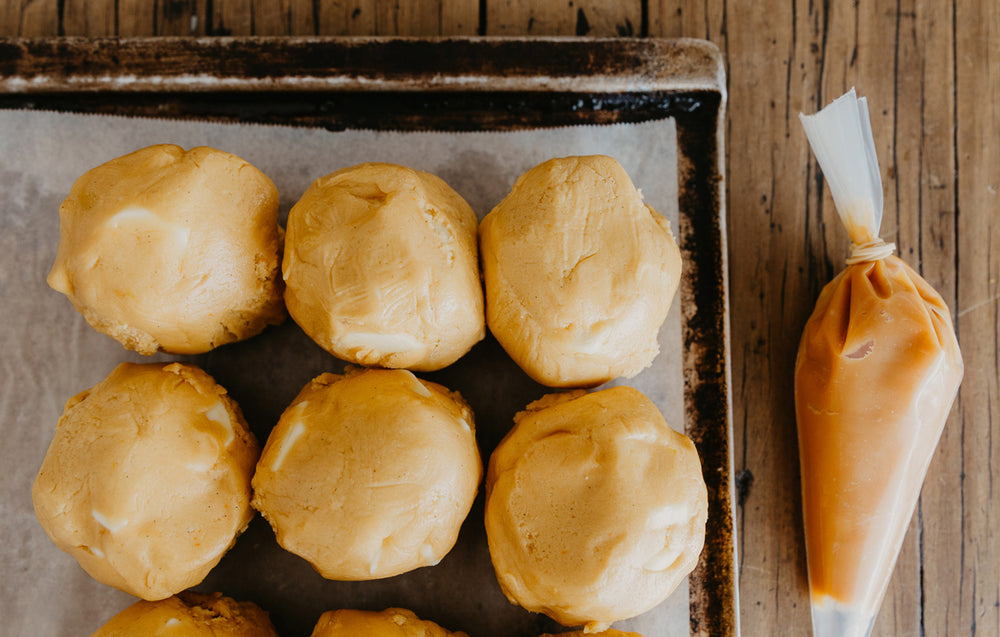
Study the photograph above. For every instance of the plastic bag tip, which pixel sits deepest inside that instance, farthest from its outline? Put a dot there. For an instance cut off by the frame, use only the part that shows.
(840, 136)
(851, 95)
(833, 619)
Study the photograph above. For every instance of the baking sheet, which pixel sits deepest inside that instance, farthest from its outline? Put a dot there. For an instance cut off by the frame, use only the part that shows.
(50, 354)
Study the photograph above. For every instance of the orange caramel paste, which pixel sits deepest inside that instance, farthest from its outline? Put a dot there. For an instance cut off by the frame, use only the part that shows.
(877, 371)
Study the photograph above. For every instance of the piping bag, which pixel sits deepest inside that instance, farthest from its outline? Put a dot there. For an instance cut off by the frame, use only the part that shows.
(877, 371)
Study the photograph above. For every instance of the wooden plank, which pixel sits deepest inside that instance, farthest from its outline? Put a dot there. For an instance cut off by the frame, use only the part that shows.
(169, 17)
(426, 17)
(972, 604)
(303, 18)
(569, 17)
(29, 18)
(685, 19)
(345, 18)
(231, 17)
(265, 17)
(136, 18)
(772, 75)
(274, 17)
(130, 18)
(368, 17)
(88, 18)
(10, 18)
(459, 17)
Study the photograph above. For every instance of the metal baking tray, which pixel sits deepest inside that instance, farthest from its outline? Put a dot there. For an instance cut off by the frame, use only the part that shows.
(459, 84)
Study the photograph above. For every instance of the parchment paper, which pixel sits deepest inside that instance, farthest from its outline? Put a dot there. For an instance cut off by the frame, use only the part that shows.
(50, 354)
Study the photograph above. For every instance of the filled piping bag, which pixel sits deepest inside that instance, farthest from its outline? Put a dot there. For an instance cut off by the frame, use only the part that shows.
(877, 371)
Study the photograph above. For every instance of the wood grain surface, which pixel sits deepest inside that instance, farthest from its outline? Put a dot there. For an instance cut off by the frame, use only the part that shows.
(931, 71)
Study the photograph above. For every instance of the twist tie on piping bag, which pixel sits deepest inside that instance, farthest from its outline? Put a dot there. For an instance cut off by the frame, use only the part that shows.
(871, 251)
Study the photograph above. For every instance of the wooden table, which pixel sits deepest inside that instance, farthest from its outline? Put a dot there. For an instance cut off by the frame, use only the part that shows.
(931, 71)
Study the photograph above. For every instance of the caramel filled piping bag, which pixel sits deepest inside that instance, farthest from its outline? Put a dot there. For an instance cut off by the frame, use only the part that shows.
(877, 371)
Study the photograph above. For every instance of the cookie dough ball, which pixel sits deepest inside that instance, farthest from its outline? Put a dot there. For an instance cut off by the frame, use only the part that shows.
(172, 250)
(381, 268)
(579, 272)
(147, 480)
(392, 622)
(190, 615)
(370, 474)
(595, 507)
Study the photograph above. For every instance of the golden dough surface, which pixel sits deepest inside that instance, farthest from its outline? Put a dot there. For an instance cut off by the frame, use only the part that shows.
(595, 507)
(147, 479)
(172, 250)
(381, 268)
(579, 272)
(392, 622)
(190, 614)
(370, 474)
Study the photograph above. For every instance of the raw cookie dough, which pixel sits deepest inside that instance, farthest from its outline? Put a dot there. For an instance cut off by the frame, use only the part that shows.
(190, 615)
(370, 474)
(579, 273)
(172, 250)
(381, 268)
(147, 480)
(595, 507)
(392, 622)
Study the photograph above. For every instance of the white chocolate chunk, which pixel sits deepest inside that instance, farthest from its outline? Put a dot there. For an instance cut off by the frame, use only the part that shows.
(219, 414)
(595, 339)
(668, 515)
(367, 344)
(144, 219)
(427, 555)
(93, 550)
(662, 560)
(418, 387)
(111, 524)
(294, 434)
(132, 214)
